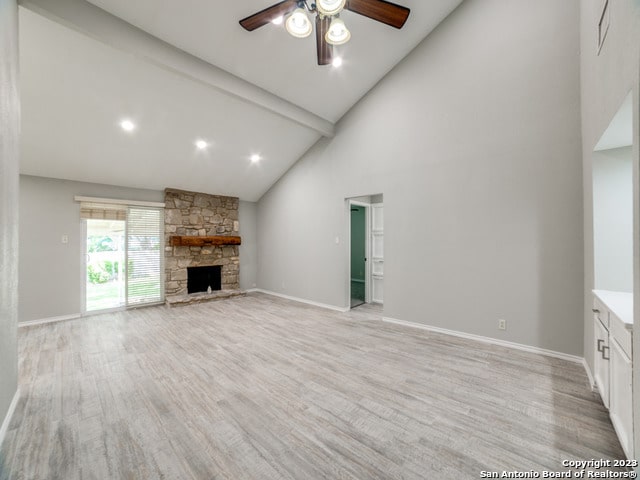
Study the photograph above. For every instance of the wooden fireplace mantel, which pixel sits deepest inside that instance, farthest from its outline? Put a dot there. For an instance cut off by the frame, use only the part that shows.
(197, 241)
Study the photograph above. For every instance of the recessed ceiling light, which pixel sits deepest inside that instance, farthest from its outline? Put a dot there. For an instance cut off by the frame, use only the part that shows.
(278, 20)
(255, 158)
(128, 125)
(201, 144)
(337, 62)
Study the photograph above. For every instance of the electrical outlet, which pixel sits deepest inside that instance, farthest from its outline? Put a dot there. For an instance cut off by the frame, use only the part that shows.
(502, 324)
(65, 238)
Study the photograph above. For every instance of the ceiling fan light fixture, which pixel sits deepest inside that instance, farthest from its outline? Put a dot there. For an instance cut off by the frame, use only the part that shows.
(338, 33)
(298, 24)
(330, 7)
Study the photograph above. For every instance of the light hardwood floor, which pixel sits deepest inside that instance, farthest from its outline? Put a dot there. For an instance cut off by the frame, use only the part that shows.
(264, 388)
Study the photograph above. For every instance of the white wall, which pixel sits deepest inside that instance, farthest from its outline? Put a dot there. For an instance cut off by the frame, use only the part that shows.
(474, 140)
(606, 79)
(613, 219)
(9, 160)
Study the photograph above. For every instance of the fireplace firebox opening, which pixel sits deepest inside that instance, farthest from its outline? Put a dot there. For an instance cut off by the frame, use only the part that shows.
(200, 279)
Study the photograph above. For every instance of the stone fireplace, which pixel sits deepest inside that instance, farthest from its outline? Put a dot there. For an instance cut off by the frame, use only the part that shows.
(201, 230)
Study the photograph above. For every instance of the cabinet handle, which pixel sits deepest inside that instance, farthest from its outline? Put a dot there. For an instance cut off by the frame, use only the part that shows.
(595, 310)
(600, 342)
(604, 349)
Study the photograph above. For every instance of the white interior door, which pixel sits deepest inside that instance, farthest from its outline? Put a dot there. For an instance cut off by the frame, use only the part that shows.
(377, 253)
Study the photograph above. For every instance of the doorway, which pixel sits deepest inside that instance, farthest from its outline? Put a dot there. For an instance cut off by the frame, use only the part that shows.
(365, 250)
(358, 278)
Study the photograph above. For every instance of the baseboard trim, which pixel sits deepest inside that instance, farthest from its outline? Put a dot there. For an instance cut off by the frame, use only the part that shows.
(592, 381)
(7, 419)
(42, 321)
(302, 300)
(492, 341)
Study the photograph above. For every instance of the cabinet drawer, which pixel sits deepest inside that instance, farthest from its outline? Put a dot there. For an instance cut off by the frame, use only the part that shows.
(622, 335)
(600, 311)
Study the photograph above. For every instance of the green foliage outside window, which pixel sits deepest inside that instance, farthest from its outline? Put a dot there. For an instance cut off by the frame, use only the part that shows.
(97, 274)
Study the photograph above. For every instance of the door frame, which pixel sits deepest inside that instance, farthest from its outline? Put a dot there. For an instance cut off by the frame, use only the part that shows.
(83, 267)
(372, 234)
(367, 272)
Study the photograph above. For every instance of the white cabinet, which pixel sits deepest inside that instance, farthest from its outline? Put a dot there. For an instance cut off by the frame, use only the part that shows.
(600, 361)
(621, 407)
(613, 367)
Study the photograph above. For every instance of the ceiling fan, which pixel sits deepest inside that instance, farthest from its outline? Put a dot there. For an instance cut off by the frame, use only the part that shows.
(330, 29)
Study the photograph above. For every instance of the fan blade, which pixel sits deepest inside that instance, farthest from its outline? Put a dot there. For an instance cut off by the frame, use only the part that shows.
(325, 50)
(265, 16)
(380, 10)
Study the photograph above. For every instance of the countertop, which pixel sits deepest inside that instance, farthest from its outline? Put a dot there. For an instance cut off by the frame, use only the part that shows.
(620, 303)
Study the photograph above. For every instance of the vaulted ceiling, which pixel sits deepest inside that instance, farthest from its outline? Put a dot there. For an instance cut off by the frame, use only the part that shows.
(183, 71)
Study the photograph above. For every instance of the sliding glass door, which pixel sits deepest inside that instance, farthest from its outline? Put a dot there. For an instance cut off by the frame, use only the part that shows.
(105, 265)
(123, 257)
(144, 253)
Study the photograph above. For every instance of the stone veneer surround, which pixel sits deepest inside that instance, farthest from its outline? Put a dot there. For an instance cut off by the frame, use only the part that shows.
(199, 214)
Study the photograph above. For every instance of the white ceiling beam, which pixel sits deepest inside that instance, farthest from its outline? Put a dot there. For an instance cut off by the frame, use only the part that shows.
(94, 22)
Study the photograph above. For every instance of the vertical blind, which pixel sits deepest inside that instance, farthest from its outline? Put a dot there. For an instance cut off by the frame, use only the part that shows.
(144, 251)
